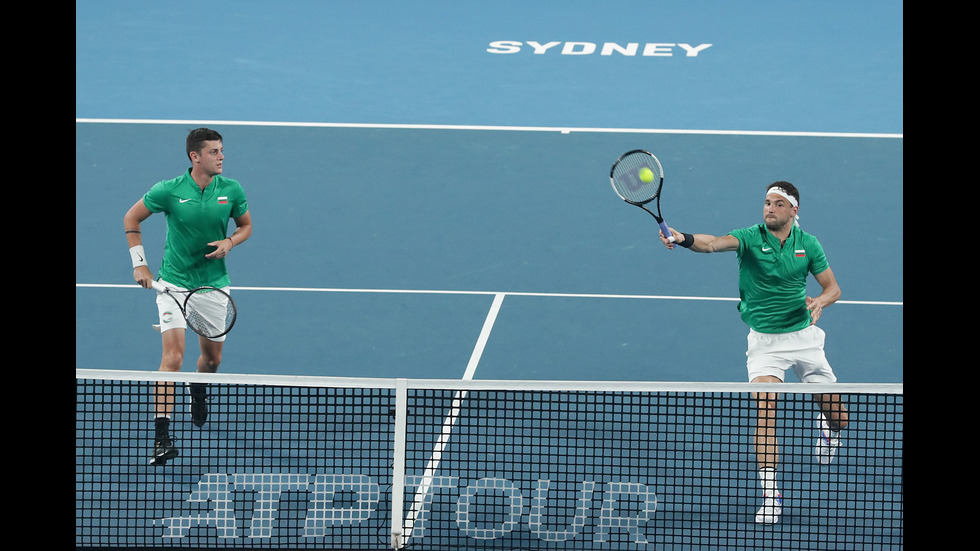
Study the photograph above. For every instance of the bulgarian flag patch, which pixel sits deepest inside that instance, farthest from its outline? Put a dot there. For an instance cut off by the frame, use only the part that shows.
(224, 201)
(800, 253)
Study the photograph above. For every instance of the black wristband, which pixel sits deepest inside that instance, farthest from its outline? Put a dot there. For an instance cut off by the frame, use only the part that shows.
(688, 241)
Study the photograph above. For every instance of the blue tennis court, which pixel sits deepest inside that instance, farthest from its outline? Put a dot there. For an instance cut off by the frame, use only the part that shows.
(512, 205)
(355, 212)
(429, 180)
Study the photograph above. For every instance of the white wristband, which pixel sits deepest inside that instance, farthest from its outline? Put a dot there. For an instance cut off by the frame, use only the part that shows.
(139, 257)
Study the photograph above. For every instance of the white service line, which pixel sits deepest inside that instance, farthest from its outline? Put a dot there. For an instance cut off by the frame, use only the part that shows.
(452, 292)
(421, 493)
(481, 342)
(561, 129)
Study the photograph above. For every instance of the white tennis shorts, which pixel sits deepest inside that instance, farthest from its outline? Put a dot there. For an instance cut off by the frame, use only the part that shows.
(169, 312)
(802, 351)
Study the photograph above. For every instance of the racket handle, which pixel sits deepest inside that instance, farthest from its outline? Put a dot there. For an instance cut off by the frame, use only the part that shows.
(158, 286)
(666, 232)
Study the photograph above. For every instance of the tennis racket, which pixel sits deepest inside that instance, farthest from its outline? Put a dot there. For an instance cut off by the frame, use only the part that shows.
(626, 180)
(209, 311)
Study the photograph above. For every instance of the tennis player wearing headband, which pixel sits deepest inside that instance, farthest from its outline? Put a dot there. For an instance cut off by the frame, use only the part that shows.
(774, 260)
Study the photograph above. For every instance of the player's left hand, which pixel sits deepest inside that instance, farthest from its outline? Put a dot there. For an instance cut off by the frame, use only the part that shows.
(815, 309)
(221, 249)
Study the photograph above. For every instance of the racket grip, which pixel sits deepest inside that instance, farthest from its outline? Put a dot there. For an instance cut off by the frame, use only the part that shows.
(666, 232)
(158, 286)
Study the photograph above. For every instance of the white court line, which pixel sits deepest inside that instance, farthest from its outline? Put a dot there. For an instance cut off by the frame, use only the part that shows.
(421, 493)
(510, 293)
(481, 342)
(561, 129)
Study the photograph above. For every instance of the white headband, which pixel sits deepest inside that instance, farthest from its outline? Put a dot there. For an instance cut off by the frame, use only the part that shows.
(780, 191)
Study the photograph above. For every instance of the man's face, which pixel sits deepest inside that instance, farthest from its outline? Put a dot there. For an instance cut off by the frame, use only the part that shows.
(777, 212)
(210, 158)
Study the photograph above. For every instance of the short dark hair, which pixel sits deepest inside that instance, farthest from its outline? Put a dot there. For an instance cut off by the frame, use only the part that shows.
(790, 188)
(197, 137)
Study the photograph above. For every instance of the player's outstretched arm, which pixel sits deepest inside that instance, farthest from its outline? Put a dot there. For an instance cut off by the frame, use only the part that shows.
(701, 242)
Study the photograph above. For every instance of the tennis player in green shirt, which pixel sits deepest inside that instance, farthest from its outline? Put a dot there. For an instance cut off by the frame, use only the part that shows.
(774, 260)
(198, 205)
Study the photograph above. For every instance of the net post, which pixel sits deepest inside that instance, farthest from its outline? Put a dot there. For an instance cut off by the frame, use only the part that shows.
(398, 463)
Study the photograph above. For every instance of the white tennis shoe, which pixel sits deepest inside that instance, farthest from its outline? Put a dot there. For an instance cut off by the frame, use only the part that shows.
(827, 442)
(772, 508)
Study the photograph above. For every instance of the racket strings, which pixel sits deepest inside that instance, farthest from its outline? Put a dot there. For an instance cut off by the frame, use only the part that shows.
(626, 178)
(210, 313)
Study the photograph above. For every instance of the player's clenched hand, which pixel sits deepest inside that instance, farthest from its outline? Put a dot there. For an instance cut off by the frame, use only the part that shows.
(143, 276)
(673, 233)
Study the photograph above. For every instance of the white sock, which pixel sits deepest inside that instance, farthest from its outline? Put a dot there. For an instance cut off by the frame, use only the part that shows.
(768, 477)
(826, 425)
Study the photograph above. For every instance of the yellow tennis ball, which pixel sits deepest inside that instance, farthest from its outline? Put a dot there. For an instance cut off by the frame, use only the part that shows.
(646, 175)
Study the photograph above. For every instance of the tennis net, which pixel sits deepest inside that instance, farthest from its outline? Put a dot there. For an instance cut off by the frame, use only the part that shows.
(356, 463)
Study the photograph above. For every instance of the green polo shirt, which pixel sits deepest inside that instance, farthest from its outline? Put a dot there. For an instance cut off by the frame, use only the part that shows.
(772, 278)
(195, 218)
